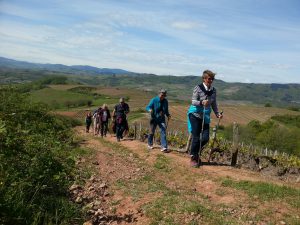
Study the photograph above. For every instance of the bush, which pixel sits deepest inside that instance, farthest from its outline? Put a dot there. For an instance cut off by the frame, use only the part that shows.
(271, 134)
(294, 108)
(36, 165)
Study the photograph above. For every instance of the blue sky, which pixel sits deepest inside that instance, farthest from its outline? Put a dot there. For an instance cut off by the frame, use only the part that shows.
(242, 40)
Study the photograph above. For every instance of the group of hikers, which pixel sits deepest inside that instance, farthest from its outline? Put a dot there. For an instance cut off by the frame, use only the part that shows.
(204, 100)
(101, 117)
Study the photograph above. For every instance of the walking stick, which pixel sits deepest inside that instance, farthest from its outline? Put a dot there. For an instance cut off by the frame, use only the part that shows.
(201, 134)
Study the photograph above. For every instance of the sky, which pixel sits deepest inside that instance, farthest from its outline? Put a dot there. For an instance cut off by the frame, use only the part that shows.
(255, 41)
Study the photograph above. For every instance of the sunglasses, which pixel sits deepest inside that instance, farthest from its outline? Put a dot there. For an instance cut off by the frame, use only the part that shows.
(209, 78)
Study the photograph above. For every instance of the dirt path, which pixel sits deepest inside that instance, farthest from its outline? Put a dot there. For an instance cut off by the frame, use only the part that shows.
(182, 160)
(139, 178)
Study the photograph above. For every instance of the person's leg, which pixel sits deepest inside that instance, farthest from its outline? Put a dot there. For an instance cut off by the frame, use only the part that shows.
(126, 128)
(205, 136)
(102, 128)
(152, 128)
(88, 125)
(105, 127)
(98, 127)
(118, 128)
(122, 129)
(118, 131)
(95, 126)
(163, 138)
(196, 130)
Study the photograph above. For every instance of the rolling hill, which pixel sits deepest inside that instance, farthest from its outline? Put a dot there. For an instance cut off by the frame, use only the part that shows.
(179, 87)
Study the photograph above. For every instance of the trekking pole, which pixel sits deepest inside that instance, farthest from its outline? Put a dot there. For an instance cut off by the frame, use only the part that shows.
(201, 134)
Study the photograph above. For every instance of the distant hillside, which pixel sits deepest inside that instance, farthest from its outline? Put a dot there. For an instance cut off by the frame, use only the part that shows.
(179, 87)
(77, 69)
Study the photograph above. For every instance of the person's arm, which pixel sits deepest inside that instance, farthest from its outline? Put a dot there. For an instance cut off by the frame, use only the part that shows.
(127, 109)
(214, 105)
(167, 109)
(150, 106)
(195, 97)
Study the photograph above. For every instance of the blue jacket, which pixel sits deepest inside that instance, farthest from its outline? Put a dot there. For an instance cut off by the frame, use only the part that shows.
(198, 109)
(160, 109)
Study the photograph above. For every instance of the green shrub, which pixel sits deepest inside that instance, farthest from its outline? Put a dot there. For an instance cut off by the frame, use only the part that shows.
(35, 161)
(271, 134)
(294, 108)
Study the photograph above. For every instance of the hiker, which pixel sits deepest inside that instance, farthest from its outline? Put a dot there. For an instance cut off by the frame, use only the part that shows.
(158, 108)
(120, 113)
(97, 120)
(204, 98)
(88, 121)
(104, 117)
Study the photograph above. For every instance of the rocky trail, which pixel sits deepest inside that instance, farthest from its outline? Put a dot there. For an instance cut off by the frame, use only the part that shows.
(128, 184)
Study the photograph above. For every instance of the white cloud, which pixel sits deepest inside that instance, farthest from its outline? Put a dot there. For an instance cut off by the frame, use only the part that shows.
(187, 25)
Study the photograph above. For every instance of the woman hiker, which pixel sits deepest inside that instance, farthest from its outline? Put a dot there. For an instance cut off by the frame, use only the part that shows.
(203, 100)
(120, 113)
(104, 117)
(88, 121)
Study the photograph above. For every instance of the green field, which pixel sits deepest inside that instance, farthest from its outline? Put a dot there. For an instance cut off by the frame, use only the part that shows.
(63, 99)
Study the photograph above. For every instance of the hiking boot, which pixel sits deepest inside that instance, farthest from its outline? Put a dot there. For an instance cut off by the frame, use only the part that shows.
(150, 147)
(164, 150)
(195, 162)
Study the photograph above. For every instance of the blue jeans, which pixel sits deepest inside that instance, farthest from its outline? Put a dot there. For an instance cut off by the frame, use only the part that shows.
(162, 126)
(196, 124)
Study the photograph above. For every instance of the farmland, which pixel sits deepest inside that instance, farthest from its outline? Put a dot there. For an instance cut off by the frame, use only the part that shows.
(138, 99)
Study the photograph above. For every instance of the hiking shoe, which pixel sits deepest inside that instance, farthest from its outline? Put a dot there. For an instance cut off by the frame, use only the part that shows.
(150, 147)
(118, 139)
(164, 150)
(194, 163)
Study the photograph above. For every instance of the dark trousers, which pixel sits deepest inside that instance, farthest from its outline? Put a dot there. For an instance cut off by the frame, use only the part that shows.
(104, 127)
(196, 124)
(120, 128)
(88, 125)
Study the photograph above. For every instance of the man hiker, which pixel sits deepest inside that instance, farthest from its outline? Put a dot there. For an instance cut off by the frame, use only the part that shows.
(120, 113)
(158, 108)
(204, 98)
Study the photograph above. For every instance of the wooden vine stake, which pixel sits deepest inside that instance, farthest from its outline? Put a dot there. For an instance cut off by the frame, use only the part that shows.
(188, 144)
(235, 144)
